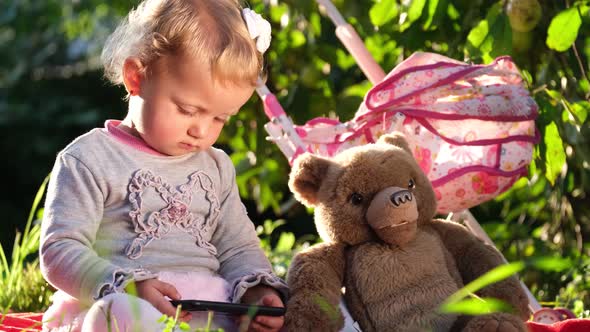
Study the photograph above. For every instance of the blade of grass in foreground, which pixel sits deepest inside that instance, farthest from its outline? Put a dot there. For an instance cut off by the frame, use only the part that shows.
(499, 273)
(465, 300)
(25, 244)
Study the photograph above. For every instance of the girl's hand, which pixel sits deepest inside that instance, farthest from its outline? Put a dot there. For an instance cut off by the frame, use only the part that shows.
(154, 291)
(266, 296)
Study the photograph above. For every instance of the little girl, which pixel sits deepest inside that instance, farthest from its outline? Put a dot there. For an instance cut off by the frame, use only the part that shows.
(147, 201)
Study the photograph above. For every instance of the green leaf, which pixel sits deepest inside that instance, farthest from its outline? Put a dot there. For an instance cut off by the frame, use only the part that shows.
(452, 12)
(478, 34)
(502, 36)
(553, 264)
(526, 75)
(578, 308)
(436, 10)
(585, 84)
(415, 10)
(383, 11)
(379, 47)
(555, 154)
(431, 10)
(563, 29)
(277, 12)
(357, 90)
(315, 23)
(286, 242)
(580, 110)
(414, 13)
(297, 38)
(476, 306)
(344, 59)
(482, 37)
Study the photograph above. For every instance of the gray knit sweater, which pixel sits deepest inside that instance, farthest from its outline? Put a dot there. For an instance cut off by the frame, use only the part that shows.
(114, 213)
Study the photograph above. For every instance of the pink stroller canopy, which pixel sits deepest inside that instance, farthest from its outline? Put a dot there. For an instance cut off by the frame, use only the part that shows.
(471, 127)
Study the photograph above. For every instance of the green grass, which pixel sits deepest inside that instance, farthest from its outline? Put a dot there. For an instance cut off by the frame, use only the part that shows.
(23, 287)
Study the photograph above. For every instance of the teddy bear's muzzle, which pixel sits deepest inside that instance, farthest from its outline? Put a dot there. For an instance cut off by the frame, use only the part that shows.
(393, 215)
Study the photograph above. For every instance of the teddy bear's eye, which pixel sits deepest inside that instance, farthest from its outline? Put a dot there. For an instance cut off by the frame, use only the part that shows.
(356, 199)
(411, 184)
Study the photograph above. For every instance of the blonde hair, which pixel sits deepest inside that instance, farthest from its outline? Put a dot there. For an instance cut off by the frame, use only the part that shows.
(211, 30)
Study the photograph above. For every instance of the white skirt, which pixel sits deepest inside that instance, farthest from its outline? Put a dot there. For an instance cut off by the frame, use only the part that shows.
(68, 314)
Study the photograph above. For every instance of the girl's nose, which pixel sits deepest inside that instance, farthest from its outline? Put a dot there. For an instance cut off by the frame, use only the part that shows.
(199, 129)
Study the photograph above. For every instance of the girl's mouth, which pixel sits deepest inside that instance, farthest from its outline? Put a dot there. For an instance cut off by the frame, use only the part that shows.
(188, 147)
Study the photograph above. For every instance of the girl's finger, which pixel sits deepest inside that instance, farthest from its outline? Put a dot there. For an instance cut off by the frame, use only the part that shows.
(270, 322)
(168, 290)
(257, 327)
(165, 307)
(185, 316)
(272, 301)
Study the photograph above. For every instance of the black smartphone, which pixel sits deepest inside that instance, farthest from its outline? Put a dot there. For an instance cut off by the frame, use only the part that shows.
(230, 308)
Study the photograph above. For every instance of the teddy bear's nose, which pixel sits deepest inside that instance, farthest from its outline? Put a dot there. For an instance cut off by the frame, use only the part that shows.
(400, 197)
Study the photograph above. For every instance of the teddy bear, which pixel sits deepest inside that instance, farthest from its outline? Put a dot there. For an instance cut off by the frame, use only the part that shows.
(383, 251)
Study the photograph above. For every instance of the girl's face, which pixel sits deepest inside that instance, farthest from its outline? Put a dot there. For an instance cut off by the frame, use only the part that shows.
(179, 108)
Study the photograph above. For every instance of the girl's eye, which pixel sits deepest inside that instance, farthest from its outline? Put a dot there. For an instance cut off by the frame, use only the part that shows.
(411, 184)
(356, 199)
(224, 120)
(185, 112)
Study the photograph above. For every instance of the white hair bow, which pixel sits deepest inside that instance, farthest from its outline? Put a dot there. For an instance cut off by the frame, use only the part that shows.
(259, 29)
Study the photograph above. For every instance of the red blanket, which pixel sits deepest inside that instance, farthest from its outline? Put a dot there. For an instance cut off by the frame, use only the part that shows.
(21, 322)
(32, 322)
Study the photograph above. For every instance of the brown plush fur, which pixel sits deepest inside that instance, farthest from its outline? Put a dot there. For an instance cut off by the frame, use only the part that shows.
(395, 271)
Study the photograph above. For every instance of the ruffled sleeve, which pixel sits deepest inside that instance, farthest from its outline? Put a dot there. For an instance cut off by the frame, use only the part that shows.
(120, 279)
(241, 285)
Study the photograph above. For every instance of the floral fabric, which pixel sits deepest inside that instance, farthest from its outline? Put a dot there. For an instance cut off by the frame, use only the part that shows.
(471, 127)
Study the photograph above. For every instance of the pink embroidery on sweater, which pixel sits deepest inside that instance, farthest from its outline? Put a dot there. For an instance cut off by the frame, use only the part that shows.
(176, 213)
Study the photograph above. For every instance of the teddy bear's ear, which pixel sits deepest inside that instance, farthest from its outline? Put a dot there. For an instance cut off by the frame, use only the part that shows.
(397, 139)
(306, 177)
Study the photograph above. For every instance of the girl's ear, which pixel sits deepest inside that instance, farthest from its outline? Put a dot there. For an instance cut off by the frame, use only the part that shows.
(133, 74)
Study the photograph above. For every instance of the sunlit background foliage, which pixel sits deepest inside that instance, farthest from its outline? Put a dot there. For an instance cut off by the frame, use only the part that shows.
(51, 90)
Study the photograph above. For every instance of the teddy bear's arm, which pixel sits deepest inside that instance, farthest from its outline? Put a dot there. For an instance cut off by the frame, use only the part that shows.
(315, 280)
(474, 258)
